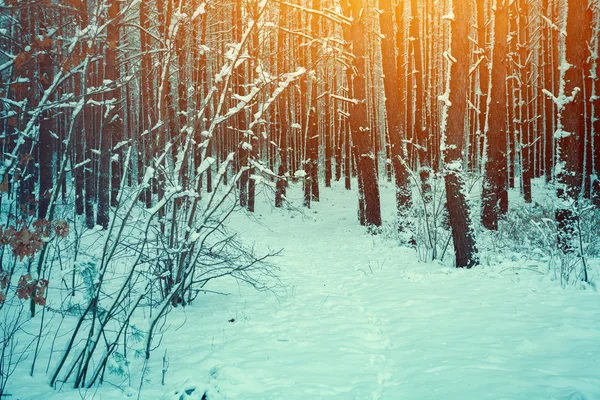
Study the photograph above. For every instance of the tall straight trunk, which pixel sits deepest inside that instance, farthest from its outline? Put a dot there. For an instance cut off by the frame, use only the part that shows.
(90, 133)
(361, 135)
(282, 105)
(458, 207)
(395, 126)
(400, 39)
(146, 104)
(484, 77)
(418, 102)
(29, 94)
(511, 85)
(329, 123)
(202, 89)
(348, 154)
(170, 121)
(254, 139)
(588, 23)
(555, 52)
(347, 129)
(595, 95)
(46, 142)
(163, 99)
(112, 128)
(524, 124)
(495, 194)
(130, 125)
(115, 121)
(198, 68)
(241, 116)
(572, 124)
(313, 123)
(327, 134)
(372, 106)
(547, 46)
(182, 92)
(79, 145)
(339, 133)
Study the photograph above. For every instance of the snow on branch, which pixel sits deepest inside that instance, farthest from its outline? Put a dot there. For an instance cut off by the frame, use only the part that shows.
(337, 18)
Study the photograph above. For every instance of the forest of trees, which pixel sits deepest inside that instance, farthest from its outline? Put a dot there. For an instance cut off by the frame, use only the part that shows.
(310, 90)
(166, 109)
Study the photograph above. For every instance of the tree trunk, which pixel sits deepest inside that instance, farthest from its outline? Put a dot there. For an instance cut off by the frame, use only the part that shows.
(458, 207)
(46, 145)
(146, 104)
(524, 125)
(393, 106)
(416, 117)
(484, 77)
(547, 45)
(361, 136)
(313, 123)
(282, 105)
(112, 127)
(572, 125)
(115, 121)
(495, 195)
(596, 115)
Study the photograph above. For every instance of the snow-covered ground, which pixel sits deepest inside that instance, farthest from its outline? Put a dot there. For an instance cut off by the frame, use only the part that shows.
(358, 317)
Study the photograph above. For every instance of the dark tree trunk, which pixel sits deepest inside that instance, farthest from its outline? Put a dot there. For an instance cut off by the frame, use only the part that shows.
(79, 142)
(282, 105)
(420, 132)
(458, 208)
(495, 195)
(311, 162)
(88, 171)
(146, 104)
(524, 105)
(588, 23)
(348, 155)
(547, 45)
(241, 116)
(251, 190)
(112, 128)
(46, 143)
(182, 96)
(572, 119)
(327, 136)
(115, 121)
(596, 122)
(484, 76)
(392, 109)
(361, 136)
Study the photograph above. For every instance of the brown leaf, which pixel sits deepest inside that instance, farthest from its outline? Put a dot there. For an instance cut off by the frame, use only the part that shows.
(4, 281)
(42, 226)
(25, 287)
(7, 236)
(26, 243)
(20, 61)
(4, 184)
(61, 228)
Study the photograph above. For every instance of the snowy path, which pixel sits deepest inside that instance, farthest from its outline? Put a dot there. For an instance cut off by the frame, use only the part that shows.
(364, 320)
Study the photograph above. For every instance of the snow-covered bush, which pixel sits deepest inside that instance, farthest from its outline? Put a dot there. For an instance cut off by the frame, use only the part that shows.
(429, 218)
(531, 230)
(148, 262)
(427, 228)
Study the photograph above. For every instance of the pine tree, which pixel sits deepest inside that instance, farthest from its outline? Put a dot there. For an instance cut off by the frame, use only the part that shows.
(458, 207)
(495, 194)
